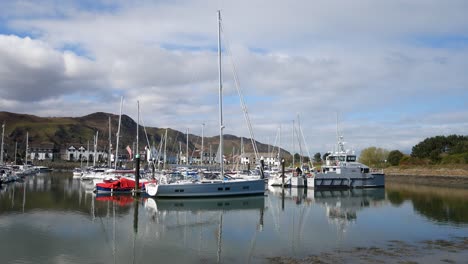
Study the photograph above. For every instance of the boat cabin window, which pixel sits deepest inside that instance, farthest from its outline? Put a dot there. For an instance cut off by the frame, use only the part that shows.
(350, 158)
(341, 158)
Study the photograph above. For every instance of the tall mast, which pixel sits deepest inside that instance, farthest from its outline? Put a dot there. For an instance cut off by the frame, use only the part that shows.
(87, 158)
(293, 146)
(202, 137)
(27, 148)
(110, 145)
(242, 147)
(118, 135)
(279, 145)
(138, 122)
(180, 152)
(165, 147)
(298, 139)
(95, 148)
(3, 134)
(187, 161)
(16, 149)
(211, 155)
(221, 125)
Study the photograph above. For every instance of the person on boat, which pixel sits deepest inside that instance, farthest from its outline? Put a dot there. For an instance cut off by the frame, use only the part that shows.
(298, 171)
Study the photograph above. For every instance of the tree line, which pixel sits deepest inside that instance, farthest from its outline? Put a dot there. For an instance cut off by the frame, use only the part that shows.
(452, 149)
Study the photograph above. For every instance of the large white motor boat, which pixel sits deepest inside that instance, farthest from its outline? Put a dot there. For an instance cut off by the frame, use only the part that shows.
(341, 170)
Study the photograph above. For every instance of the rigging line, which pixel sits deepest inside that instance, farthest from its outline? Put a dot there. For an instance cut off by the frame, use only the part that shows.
(299, 144)
(306, 147)
(174, 143)
(146, 134)
(195, 148)
(274, 144)
(158, 157)
(239, 92)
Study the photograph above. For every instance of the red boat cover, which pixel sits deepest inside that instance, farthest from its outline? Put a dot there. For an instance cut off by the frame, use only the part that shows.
(122, 183)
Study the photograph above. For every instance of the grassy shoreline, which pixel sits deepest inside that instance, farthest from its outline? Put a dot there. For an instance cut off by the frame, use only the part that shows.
(457, 170)
(435, 175)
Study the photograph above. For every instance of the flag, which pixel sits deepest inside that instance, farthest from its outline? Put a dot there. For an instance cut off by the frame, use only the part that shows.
(129, 150)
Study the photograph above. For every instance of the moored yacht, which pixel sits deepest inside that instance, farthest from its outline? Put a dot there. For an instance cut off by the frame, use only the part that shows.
(209, 187)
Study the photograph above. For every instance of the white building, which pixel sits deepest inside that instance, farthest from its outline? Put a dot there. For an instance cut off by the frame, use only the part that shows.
(44, 151)
(77, 152)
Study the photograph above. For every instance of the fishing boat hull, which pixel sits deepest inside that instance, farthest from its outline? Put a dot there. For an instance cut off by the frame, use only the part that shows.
(367, 180)
(207, 189)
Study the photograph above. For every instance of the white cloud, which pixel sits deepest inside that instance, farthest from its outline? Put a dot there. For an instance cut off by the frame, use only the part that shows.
(362, 59)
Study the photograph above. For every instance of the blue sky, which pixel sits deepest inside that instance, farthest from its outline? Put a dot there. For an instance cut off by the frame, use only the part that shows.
(394, 71)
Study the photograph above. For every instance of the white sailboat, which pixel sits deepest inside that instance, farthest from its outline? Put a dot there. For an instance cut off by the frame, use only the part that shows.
(209, 188)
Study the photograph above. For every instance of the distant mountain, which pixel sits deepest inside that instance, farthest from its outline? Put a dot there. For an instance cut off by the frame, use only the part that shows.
(62, 131)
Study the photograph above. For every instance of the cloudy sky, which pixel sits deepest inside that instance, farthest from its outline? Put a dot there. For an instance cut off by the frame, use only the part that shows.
(395, 72)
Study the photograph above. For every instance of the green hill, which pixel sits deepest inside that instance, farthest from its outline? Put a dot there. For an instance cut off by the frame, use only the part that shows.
(62, 131)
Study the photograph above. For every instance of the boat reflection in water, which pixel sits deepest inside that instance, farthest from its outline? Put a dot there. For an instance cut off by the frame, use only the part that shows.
(207, 227)
(206, 204)
(339, 204)
(342, 206)
(119, 199)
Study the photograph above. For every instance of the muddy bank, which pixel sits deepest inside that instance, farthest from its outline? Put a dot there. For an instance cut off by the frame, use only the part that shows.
(454, 250)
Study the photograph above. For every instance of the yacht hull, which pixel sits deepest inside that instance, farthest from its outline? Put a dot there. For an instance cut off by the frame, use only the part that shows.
(207, 189)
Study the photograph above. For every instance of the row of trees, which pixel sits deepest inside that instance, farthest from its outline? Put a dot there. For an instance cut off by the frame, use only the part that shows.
(451, 149)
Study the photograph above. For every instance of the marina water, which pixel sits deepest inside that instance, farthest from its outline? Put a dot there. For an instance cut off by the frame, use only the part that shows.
(52, 218)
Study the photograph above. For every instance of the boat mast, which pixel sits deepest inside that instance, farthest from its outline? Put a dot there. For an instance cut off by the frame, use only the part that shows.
(118, 135)
(3, 134)
(16, 150)
(87, 158)
(137, 127)
(211, 155)
(221, 125)
(293, 146)
(187, 161)
(279, 145)
(180, 153)
(298, 139)
(165, 147)
(202, 137)
(110, 146)
(27, 147)
(95, 148)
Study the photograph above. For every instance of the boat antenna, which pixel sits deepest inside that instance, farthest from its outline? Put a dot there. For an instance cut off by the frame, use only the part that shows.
(339, 138)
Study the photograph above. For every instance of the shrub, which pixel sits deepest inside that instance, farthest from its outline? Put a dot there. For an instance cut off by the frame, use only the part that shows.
(394, 157)
(408, 160)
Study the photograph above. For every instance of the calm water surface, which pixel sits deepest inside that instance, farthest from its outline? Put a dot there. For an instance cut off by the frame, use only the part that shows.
(53, 218)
